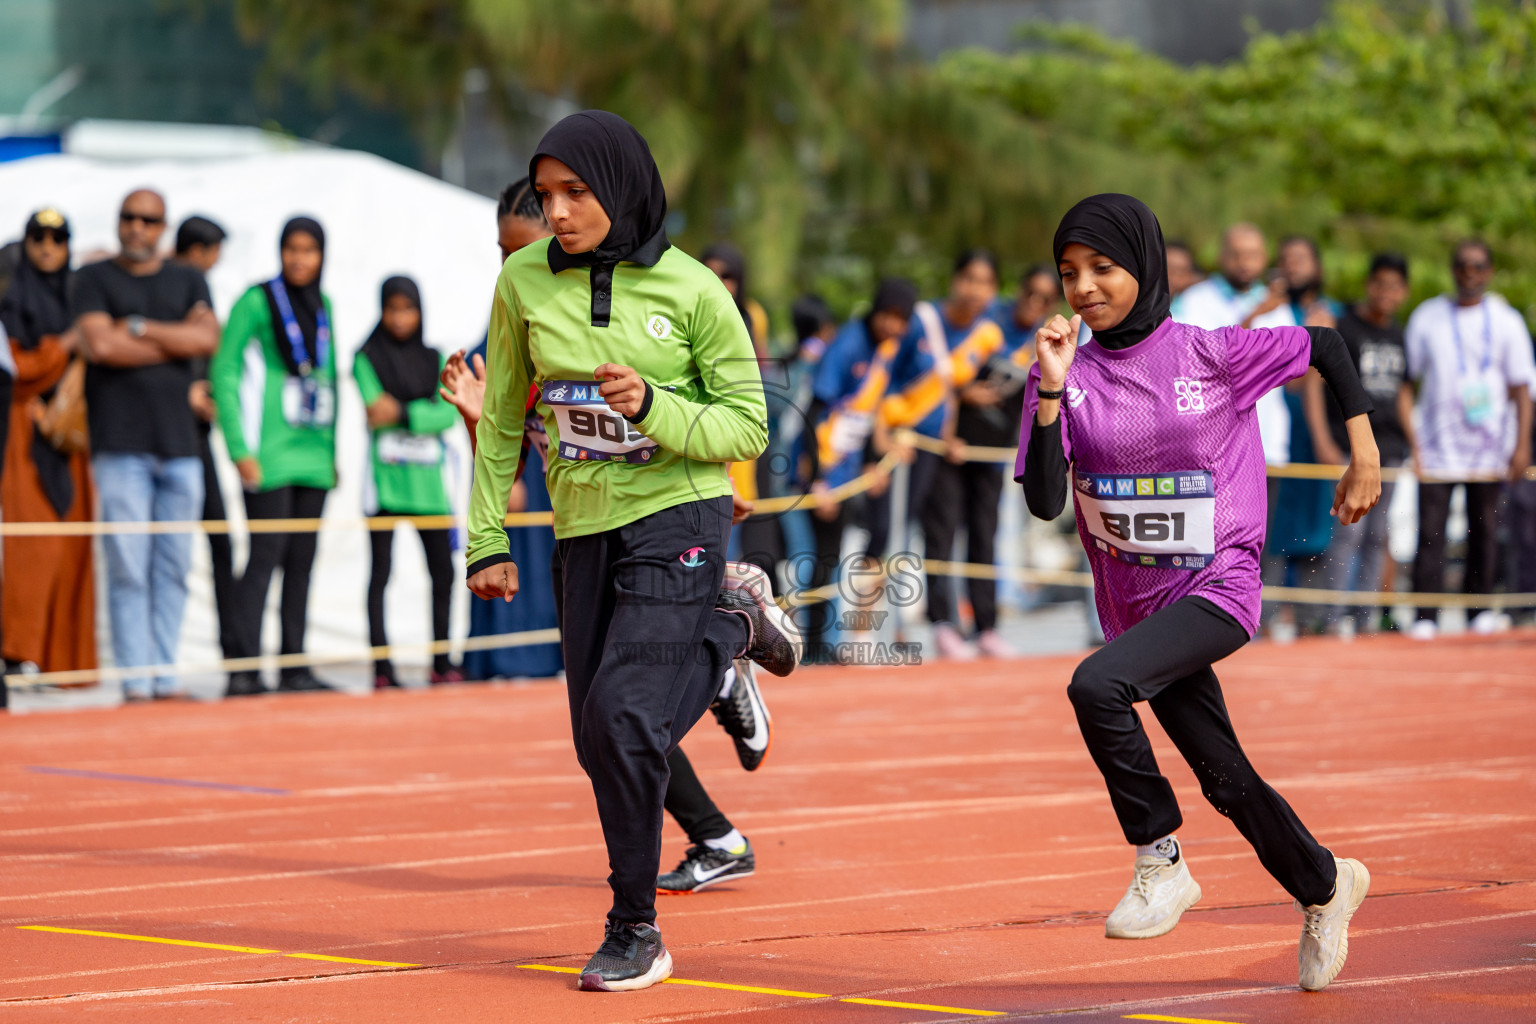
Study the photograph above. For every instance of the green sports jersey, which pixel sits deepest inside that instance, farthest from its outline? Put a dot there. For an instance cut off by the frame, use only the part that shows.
(408, 457)
(676, 325)
(264, 410)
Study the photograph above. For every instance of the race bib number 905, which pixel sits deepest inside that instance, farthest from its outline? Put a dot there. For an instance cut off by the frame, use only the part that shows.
(1165, 521)
(589, 429)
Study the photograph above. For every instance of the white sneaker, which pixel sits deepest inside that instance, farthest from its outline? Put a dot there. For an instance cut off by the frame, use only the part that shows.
(1325, 932)
(1488, 622)
(1423, 629)
(951, 645)
(1159, 893)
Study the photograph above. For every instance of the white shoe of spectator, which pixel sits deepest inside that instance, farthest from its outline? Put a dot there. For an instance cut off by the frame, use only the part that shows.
(1345, 629)
(992, 645)
(1282, 631)
(1423, 629)
(1491, 621)
(951, 645)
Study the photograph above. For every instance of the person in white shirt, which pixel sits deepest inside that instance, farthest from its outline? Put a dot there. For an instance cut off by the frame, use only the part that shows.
(1470, 355)
(1238, 295)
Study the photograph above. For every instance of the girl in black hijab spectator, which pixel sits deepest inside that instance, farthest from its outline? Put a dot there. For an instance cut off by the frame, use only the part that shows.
(48, 601)
(397, 373)
(284, 443)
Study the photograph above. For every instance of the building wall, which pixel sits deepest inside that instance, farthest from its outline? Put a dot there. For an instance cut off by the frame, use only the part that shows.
(1188, 31)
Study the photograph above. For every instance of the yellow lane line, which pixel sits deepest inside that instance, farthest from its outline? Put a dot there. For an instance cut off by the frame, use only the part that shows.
(789, 993)
(1174, 1020)
(212, 945)
(754, 989)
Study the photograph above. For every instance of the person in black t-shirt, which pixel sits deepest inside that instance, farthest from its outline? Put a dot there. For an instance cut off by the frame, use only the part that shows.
(143, 322)
(1375, 340)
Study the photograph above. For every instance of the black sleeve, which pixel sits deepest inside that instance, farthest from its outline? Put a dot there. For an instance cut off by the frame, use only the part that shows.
(1331, 357)
(645, 405)
(197, 288)
(1045, 471)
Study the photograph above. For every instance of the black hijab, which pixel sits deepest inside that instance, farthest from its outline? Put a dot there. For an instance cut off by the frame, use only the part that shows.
(735, 263)
(406, 367)
(36, 304)
(616, 163)
(306, 301)
(1124, 229)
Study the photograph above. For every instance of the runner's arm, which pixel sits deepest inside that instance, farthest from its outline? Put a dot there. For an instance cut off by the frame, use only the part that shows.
(731, 423)
(499, 434)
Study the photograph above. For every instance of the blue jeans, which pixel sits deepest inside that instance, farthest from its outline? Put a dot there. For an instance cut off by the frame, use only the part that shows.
(147, 573)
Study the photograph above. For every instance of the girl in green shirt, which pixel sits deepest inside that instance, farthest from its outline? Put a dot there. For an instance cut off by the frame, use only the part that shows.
(274, 385)
(397, 373)
(648, 386)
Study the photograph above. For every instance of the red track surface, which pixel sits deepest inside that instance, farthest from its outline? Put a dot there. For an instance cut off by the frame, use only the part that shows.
(932, 835)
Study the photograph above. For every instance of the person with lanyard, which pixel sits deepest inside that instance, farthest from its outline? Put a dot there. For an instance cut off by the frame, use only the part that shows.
(850, 381)
(397, 373)
(1159, 435)
(988, 378)
(648, 385)
(274, 386)
(48, 596)
(1470, 355)
(1354, 558)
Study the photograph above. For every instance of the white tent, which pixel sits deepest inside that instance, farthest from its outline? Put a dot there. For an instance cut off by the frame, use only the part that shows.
(380, 219)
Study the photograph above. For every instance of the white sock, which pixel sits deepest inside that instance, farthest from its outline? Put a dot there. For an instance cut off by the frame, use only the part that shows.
(732, 842)
(1166, 847)
(728, 682)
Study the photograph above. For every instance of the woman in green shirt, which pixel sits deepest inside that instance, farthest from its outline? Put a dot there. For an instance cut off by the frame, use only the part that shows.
(397, 373)
(274, 384)
(648, 386)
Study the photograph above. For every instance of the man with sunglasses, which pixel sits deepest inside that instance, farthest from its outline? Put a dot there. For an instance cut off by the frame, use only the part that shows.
(1471, 356)
(143, 321)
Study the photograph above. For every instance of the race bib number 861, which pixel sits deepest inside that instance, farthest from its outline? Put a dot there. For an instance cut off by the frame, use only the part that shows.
(589, 429)
(1166, 520)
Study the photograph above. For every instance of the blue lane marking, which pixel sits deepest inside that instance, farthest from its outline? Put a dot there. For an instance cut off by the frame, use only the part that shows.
(152, 780)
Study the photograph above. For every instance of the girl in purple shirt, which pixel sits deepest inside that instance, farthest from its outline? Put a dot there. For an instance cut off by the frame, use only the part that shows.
(1155, 421)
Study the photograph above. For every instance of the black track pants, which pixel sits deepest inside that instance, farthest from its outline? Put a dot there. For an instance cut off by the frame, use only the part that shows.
(439, 566)
(688, 802)
(967, 494)
(645, 653)
(294, 553)
(1166, 660)
(1482, 543)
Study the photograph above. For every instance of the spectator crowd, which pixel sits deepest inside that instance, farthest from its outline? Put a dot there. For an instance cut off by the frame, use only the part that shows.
(116, 376)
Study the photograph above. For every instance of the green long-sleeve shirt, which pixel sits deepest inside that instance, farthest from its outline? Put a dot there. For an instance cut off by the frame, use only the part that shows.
(676, 325)
(262, 409)
(408, 457)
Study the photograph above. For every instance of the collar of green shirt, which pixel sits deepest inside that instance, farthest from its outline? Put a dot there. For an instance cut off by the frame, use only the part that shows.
(647, 255)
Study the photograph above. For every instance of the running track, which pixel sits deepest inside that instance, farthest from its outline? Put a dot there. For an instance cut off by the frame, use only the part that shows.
(931, 836)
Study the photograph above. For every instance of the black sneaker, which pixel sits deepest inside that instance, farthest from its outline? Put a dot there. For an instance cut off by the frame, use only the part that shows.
(303, 681)
(744, 717)
(244, 684)
(704, 866)
(773, 641)
(631, 957)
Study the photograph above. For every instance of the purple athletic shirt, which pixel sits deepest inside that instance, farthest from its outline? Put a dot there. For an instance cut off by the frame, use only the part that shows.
(1167, 467)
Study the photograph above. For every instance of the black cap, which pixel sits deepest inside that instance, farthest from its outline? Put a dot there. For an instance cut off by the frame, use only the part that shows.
(896, 295)
(50, 219)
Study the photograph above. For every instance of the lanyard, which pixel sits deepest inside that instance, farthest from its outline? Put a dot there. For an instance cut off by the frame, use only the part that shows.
(1461, 356)
(296, 333)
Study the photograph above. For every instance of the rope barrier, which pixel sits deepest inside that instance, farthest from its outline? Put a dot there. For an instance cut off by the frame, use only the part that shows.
(1291, 471)
(794, 599)
(439, 522)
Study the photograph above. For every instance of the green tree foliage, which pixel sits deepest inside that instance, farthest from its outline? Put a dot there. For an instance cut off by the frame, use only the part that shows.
(1384, 126)
(799, 128)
